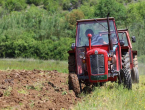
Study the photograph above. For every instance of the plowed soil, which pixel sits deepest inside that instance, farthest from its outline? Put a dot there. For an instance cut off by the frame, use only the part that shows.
(35, 90)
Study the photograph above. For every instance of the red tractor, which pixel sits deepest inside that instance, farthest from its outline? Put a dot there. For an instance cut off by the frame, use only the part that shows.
(131, 64)
(98, 55)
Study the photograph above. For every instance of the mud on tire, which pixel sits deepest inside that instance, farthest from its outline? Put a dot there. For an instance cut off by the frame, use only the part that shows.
(135, 73)
(126, 72)
(74, 83)
(71, 63)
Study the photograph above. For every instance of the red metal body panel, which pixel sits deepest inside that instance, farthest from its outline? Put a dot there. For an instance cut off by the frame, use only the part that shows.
(129, 47)
(103, 47)
(92, 52)
(134, 52)
(71, 51)
(112, 78)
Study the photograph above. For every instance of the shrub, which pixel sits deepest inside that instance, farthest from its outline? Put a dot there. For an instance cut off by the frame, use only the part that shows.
(66, 5)
(51, 6)
(72, 17)
(88, 11)
(14, 5)
(116, 10)
(35, 2)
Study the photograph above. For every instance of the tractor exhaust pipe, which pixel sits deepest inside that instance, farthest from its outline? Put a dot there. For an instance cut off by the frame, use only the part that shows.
(109, 34)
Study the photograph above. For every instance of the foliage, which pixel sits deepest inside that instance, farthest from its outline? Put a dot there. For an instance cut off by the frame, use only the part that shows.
(36, 2)
(136, 23)
(66, 5)
(115, 9)
(51, 6)
(125, 1)
(14, 5)
(30, 48)
(135, 13)
(73, 16)
(88, 11)
(41, 31)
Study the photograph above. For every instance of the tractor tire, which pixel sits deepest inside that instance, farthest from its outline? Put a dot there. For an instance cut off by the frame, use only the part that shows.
(71, 63)
(135, 73)
(135, 61)
(126, 61)
(74, 83)
(126, 72)
(126, 78)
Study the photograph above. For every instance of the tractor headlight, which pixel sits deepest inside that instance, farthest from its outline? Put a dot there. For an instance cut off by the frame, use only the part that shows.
(96, 52)
(82, 54)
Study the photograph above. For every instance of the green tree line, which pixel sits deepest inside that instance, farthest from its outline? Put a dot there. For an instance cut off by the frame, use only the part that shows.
(45, 29)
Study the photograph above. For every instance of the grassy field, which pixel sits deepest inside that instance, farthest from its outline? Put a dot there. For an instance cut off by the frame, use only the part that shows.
(30, 64)
(114, 97)
(108, 97)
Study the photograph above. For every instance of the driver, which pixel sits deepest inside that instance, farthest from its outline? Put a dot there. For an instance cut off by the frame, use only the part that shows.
(98, 40)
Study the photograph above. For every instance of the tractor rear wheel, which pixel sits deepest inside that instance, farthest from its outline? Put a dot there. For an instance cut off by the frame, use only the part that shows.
(135, 73)
(74, 83)
(126, 72)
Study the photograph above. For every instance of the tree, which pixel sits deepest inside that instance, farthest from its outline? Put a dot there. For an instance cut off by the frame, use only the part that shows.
(88, 11)
(136, 23)
(73, 16)
(116, 10)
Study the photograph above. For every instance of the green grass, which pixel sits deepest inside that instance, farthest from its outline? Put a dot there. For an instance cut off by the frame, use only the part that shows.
(22, 91)
(8, 91)
(30, 64)
(114, 97)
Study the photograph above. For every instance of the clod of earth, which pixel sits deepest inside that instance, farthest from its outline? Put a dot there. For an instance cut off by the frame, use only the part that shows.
(24, 89)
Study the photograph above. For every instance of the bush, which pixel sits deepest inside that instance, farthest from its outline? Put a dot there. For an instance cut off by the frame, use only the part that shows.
(88, 11)
(72, 17)
(35, 2)
(51, 6)
(116, 10)
(30, 48)
(14, 5)
(66, 5)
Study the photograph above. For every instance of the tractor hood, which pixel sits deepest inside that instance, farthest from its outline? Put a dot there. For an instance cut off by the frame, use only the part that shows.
(97, 64)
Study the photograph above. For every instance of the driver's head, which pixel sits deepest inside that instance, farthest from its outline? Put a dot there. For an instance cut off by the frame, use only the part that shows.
(89, 31)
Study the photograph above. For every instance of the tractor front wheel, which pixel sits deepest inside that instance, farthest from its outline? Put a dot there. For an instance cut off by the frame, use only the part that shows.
(74, 83)
(126, 72)
(126, 78)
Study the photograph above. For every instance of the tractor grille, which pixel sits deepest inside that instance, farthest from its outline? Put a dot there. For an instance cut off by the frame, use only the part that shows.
(97, 64)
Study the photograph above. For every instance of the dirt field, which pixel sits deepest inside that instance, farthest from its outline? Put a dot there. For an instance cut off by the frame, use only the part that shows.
(35, 90)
